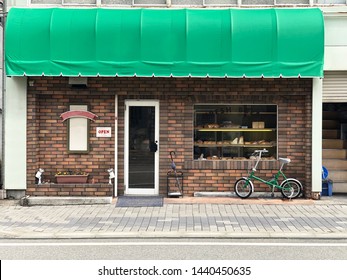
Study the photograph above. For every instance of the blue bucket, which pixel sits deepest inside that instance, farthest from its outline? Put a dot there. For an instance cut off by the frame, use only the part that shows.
(325, 173)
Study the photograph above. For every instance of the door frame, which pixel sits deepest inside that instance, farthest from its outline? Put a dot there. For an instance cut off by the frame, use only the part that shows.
(141, 103)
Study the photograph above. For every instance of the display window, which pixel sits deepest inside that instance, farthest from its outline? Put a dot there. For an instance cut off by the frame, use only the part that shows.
(234, 132)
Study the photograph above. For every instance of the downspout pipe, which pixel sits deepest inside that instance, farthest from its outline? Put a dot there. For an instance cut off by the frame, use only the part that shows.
(3, 22)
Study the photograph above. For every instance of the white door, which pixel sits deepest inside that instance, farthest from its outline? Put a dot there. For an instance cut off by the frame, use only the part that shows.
(141, 144)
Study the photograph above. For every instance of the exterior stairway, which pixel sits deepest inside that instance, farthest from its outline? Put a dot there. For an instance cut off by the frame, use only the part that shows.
(334, 152)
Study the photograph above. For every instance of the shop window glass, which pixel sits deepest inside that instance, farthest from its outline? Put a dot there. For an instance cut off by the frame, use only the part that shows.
(81, 2)
(329, 2)
(117, 2)
(187, 3)
(67, 2)
(293, 2)
(46, 1)
(149, 2)
(233, 132)
(221, 2)
(257, 2)
(78, 131)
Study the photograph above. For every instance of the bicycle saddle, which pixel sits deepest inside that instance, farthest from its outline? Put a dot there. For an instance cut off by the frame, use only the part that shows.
(284, 160)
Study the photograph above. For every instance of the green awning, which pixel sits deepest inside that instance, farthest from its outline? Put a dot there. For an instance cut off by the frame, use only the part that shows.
(164, 42)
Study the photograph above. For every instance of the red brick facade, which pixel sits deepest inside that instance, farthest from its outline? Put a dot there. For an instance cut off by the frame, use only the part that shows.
(70, 190)
(47, 134)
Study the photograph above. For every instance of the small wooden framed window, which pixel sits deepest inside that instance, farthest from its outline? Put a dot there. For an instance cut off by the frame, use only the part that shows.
(78, 131)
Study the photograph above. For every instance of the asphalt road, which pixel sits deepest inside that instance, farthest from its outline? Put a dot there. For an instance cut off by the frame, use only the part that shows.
(173, 249)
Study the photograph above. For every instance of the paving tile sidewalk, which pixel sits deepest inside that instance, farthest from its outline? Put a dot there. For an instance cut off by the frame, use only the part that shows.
(183, 217)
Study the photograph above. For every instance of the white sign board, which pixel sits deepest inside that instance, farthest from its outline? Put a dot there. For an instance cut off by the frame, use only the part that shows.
(103, 132)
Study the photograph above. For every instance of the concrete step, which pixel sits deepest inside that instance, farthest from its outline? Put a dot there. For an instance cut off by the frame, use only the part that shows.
(335, 164)
(334, 154)
(58, 201)
(333, 144)
(331, 134)
(339, 187)
(331, 124)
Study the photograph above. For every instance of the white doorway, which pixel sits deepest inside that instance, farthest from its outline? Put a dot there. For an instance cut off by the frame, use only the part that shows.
(141, 147)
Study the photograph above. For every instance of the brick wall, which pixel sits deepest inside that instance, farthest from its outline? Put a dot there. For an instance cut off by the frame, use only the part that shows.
(70, 190)
(47, 134)
(47, 141)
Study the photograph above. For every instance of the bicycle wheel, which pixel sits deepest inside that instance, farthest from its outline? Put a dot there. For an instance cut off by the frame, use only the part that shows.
(243, 188)
(291, 188)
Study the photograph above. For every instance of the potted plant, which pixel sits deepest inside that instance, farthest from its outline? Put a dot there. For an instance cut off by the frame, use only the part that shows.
(71, 177)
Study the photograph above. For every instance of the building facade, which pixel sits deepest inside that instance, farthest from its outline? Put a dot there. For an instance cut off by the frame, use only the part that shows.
(68, 118)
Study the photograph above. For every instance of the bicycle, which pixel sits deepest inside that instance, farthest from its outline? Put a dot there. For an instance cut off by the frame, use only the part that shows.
(290, 187)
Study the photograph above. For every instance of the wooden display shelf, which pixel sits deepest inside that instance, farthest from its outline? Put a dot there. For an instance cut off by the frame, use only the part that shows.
(225, 129)
(235, 145)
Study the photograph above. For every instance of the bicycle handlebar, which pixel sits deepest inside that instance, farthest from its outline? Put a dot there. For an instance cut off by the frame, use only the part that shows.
(259, 157)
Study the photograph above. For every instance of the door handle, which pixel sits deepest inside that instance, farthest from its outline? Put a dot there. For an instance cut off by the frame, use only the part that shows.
(153, 147)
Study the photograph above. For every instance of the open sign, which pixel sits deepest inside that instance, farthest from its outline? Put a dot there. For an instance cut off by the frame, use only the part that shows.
(103, 132)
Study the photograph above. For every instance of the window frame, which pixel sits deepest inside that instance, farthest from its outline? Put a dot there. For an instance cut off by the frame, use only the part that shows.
(275, 130)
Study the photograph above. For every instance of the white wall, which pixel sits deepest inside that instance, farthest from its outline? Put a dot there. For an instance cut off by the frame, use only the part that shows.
(335, 21)
(14, 164)
(14, 120)
(1, 86)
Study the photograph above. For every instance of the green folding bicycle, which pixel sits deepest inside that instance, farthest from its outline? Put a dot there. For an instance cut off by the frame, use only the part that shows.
(289, 187)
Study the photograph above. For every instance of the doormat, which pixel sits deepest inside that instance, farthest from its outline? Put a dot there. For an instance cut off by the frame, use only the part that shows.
(139, 201)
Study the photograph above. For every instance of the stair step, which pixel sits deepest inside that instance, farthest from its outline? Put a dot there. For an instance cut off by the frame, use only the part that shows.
(335, 164)
(333, 144)
(338, 175)
(334, 154)
(330, 115)
(331, 124)
(339, 187)
(331, 134)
